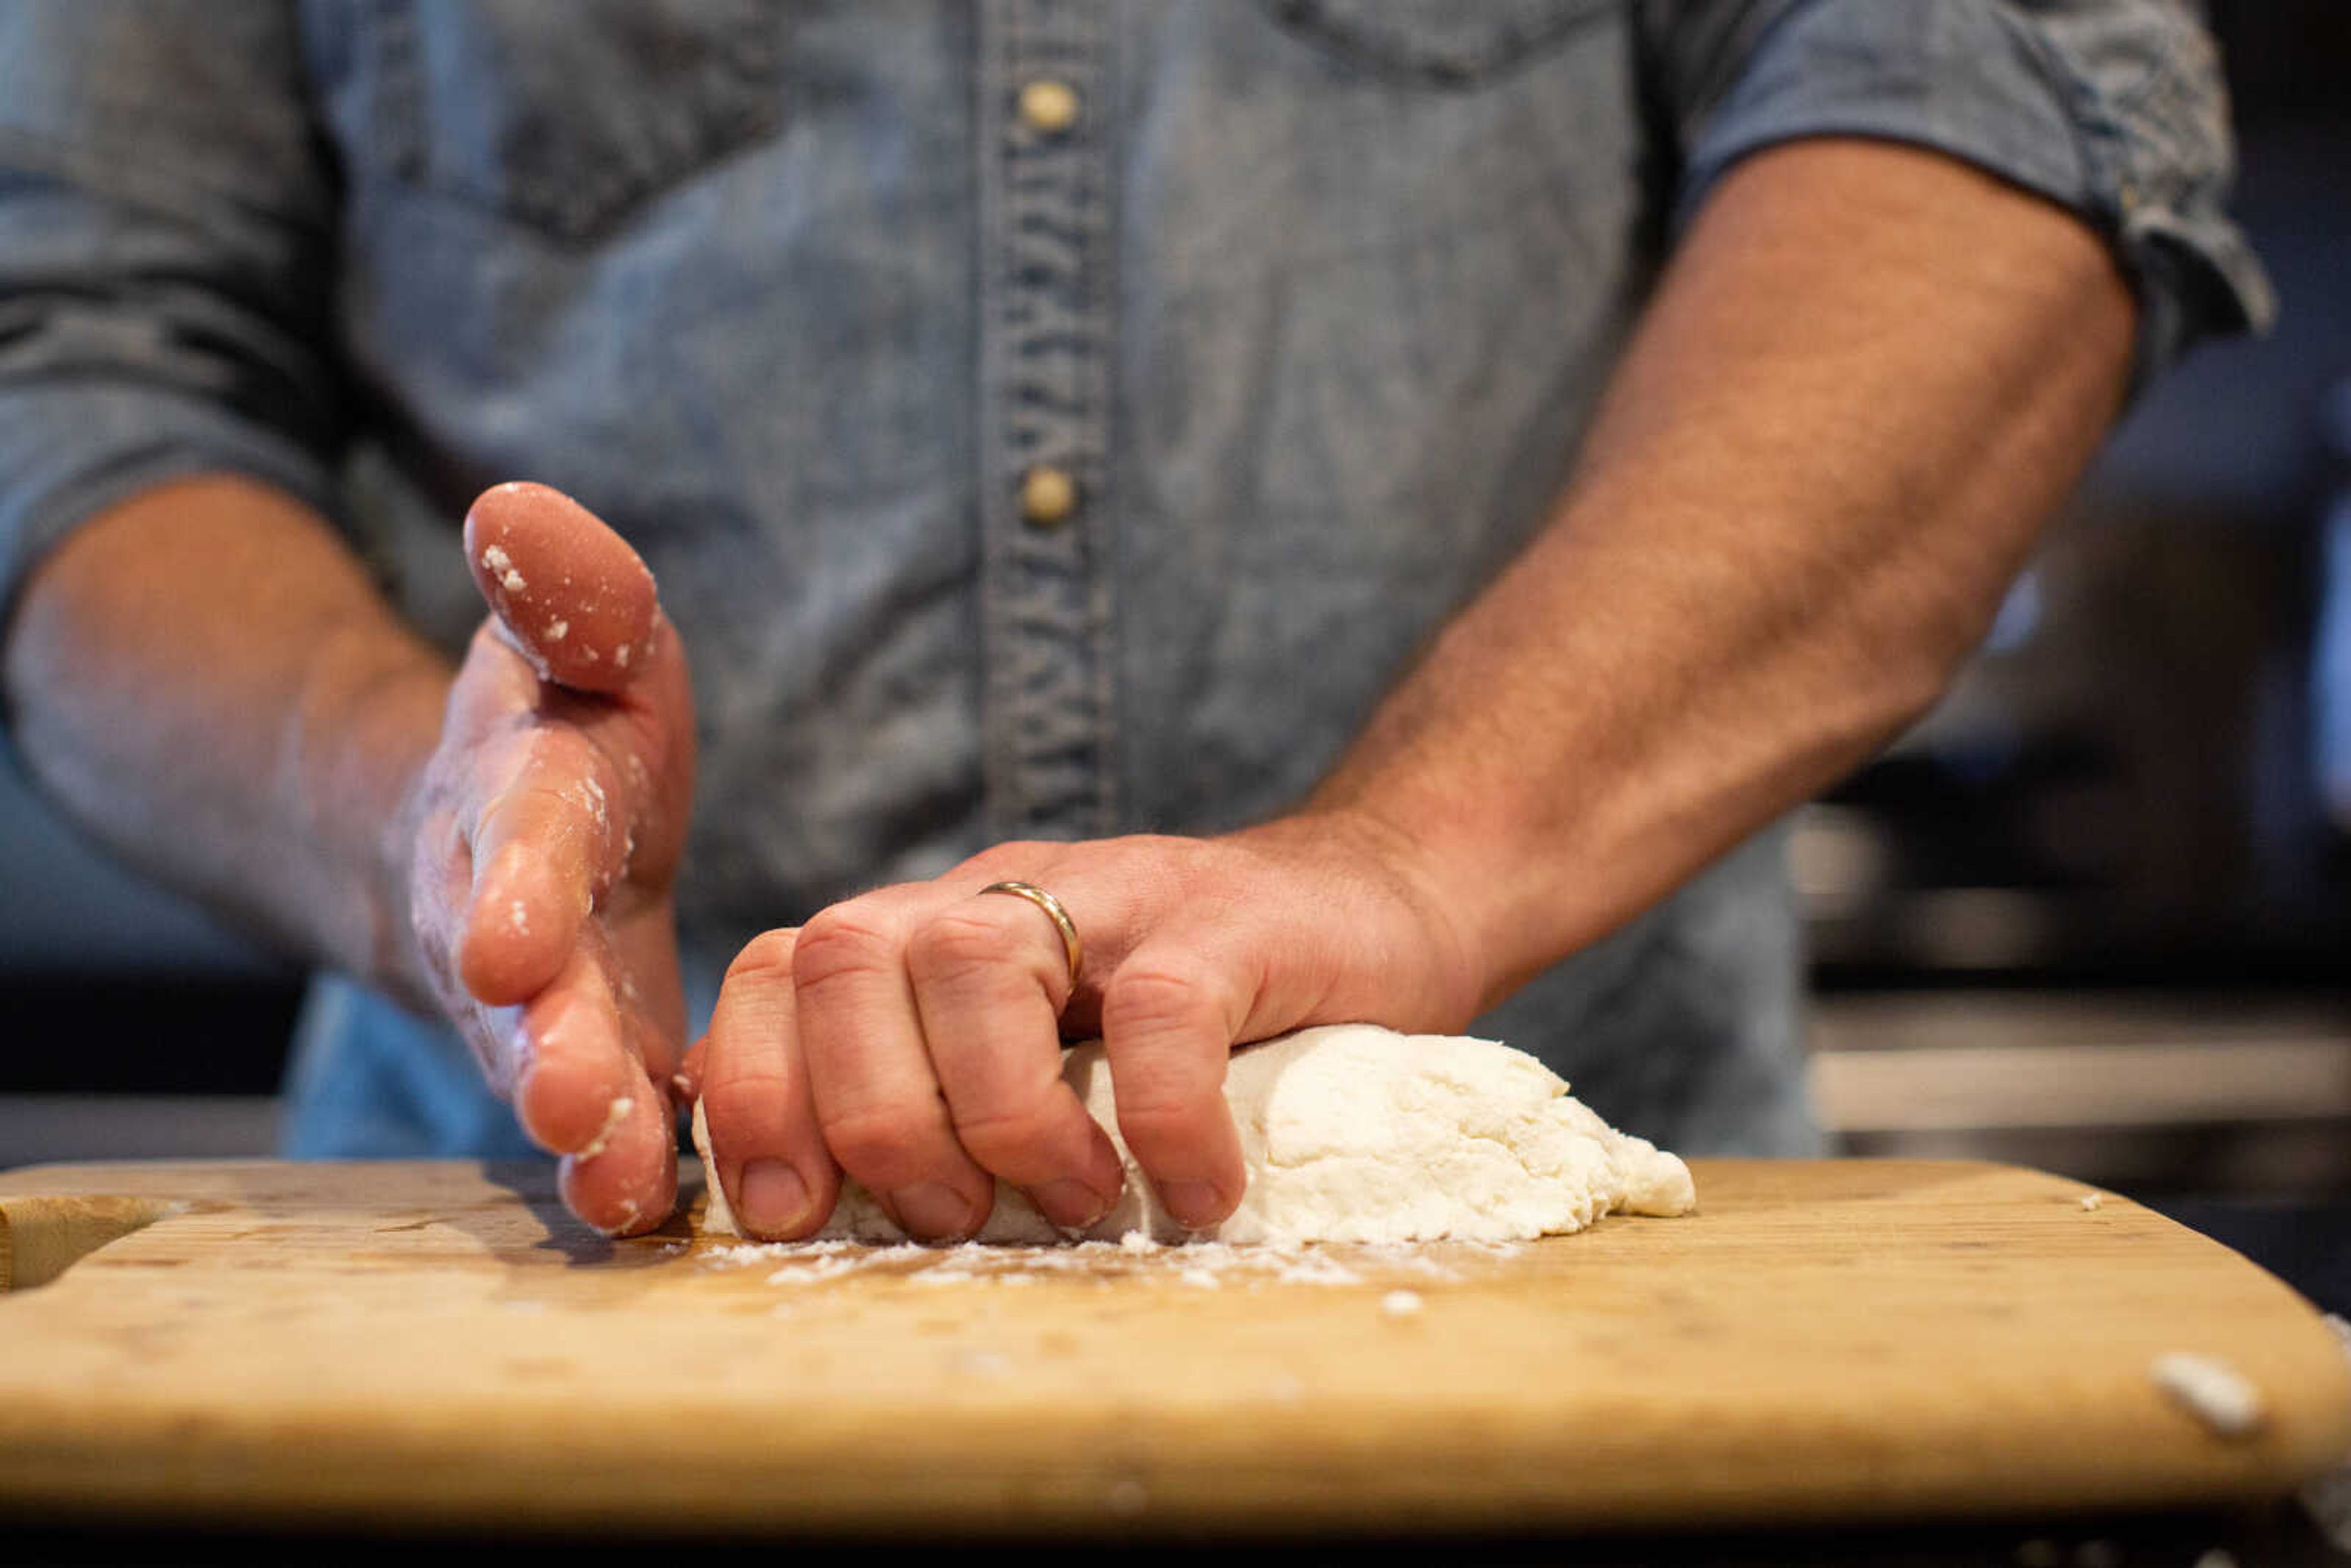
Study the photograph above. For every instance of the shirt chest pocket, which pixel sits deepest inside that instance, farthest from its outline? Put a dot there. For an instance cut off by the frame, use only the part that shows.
(1443, 44)
(564, 117)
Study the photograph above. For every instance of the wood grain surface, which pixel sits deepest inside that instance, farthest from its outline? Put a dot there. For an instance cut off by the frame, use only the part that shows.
(439, 1343)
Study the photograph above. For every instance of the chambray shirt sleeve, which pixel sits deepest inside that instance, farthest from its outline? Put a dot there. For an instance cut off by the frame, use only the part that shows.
(2113, 109)
(166, 219)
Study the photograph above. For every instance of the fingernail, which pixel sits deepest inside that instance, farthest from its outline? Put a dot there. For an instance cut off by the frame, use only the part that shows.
(773, 1197)
(1071, 1203)
(931, 1208)
(1196, 1205)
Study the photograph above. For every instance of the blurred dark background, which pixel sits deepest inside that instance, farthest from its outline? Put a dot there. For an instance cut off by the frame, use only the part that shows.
(2094, 913)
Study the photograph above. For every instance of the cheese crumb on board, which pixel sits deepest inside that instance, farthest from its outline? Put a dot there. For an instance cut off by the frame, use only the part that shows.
(2211, 1390)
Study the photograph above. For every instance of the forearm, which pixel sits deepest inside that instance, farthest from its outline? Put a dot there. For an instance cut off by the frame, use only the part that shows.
(205, 680)
(1869, 376)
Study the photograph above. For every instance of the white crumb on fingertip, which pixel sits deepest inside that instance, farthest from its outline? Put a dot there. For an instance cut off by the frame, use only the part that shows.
(500, 565)
(1401, 1303)
(614, 1117)
(519, 917)
(620, 655)
(2210, 1390)
(558, 630)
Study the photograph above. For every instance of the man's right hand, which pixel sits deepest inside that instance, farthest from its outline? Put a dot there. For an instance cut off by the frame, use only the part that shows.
(539, 845)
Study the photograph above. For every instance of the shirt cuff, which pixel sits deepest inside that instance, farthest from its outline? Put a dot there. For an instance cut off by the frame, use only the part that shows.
(68, 452)
(2118, 114)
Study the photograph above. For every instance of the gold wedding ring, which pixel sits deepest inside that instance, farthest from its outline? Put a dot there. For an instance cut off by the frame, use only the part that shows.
(1072, 949)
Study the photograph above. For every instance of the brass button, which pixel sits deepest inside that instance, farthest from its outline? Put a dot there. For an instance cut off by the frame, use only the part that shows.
(1049, 106)
(1048, 496)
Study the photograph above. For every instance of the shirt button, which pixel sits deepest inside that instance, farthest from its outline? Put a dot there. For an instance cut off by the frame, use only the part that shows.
(1049, 106)
(1048, 496)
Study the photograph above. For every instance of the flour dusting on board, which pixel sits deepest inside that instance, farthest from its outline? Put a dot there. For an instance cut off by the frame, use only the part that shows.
(1192, 1265)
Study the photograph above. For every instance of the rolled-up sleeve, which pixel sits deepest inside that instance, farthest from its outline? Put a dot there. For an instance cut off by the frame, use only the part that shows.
(166, 260)
(2113, 109)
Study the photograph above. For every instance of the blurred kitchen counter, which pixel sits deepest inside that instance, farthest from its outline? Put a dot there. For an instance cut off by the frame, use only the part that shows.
(2224, 1094)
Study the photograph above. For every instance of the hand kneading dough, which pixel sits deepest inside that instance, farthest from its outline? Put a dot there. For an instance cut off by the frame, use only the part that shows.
(1354, 1133)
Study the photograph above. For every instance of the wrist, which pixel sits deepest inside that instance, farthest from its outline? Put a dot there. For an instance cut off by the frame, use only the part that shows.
(1491, 877)
(355, 758)
(1448, 931)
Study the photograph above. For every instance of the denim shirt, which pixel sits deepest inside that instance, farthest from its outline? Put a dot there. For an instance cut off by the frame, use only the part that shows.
(1307, 301)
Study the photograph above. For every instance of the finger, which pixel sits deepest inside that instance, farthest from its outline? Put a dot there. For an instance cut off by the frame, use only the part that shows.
(693, 1071)
(545, 843)
(573, 1045)
(497, 689)
(990, 977)
(577, 601)
(625, 1180)
(764, 1141)
(441, 884)
(1170, 1014)
(645, 963)
(876, 1095)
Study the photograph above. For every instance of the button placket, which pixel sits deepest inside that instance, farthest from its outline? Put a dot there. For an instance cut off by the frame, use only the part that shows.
(1046, 230)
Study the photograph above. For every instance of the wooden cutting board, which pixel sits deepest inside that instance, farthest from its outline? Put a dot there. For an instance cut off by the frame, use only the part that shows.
(440, 1343)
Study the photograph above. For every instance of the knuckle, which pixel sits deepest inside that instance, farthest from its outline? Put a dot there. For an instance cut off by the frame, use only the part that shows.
(843, 940)
(1156, 1000)
(1001, 859)
(1159, 1124)
(1010, 1136)
(766, 959)
(881, 1145)
(745, 1083)
(957, 942)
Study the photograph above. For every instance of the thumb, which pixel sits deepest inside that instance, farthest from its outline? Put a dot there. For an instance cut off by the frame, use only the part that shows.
(570, 593)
